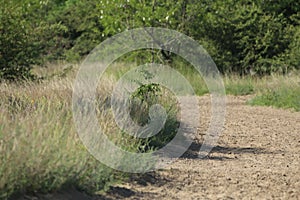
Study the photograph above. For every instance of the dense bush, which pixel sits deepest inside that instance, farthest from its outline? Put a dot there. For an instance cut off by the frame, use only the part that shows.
(83, 29)
(17, 48)
(249, 36)
(24, 38)
(243, 38)
(292, 53)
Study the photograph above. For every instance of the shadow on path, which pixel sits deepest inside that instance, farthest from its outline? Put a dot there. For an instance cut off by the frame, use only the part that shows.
(144, 180)
(193, 151)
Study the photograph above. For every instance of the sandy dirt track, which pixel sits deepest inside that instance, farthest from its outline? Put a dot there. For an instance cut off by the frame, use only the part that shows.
(257, 157)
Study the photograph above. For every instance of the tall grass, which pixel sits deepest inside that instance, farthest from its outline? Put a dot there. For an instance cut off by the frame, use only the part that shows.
(40, 150)
(279, 92)
(236, 85)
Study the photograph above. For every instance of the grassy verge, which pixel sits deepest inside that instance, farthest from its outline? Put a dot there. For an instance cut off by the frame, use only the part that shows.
(40, 150)
(281, 97)
(280, 91)
(235, 85)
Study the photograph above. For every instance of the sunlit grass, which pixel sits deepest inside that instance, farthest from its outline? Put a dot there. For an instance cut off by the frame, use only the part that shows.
(279, 92)
(40, 150)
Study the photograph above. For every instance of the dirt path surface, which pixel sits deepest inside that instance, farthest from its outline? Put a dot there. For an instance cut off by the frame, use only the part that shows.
(257, 157)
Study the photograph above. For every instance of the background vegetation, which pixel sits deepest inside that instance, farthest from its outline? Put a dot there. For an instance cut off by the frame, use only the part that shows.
(244, 37)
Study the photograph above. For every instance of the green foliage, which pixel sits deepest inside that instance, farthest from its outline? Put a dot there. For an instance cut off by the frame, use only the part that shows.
(141, 101)
(147, 93)
(23, 38)
(239, 89)
(17, 48)
(83, 30)
(282, 97)
(286, 7)
(120, 15)
(291, 55)
(244, 37)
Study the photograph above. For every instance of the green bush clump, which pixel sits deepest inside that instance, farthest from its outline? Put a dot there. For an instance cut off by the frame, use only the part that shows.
(243, 38)
(24, 38)
(17, 47)
(145, 97)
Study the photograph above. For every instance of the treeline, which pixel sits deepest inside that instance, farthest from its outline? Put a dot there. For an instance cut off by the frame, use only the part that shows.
(242, 36)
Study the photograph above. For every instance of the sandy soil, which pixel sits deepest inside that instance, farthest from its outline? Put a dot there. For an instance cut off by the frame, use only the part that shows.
(257, 157)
